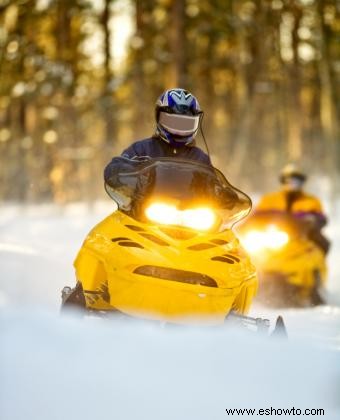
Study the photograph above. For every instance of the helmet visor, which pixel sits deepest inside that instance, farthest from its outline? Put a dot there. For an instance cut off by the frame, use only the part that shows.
(180, 125)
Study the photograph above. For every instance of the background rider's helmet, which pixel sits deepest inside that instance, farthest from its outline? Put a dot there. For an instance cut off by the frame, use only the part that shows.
(292, 177)
(178, 117)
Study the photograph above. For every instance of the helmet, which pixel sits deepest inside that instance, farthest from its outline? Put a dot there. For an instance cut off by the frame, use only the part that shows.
(178, 116)
(292, 171)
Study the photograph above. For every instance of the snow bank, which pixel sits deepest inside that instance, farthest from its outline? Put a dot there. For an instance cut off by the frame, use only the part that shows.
(58, 369)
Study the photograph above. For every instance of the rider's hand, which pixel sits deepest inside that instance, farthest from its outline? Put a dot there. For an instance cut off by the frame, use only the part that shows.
(310, 222)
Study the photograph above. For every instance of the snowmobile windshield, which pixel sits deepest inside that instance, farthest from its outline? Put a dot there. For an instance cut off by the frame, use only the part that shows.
(178, 184)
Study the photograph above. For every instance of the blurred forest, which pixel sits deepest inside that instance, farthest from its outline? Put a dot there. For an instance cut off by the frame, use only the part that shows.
(79, 79)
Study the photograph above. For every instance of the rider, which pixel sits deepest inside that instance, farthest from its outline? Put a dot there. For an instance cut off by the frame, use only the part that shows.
(178, 116)
(293, 200)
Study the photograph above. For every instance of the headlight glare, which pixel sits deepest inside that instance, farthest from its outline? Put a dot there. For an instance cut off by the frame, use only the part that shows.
(201, 218)
(271, 238)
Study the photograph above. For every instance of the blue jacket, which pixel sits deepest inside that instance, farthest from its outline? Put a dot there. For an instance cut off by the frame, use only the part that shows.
(154, 147)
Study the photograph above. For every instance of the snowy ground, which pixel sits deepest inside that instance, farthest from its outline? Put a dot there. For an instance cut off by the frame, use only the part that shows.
(56, 368)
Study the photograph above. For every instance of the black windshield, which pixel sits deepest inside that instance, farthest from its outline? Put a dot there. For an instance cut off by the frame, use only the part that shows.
(186, 183)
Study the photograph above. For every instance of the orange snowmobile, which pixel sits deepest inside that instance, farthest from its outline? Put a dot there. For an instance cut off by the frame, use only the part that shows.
(291, 267)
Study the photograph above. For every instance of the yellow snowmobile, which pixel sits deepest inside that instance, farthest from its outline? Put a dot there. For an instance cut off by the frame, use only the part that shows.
(168, 252)
(291, 266)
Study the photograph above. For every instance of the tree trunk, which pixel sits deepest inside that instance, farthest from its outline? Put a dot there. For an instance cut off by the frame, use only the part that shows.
(178, 71)
(108, 100)
(329, 121)
(139, 86)
(294, 105)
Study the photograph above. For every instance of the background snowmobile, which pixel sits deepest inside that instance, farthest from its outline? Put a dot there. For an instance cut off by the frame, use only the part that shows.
(168, 253)
(291, 266)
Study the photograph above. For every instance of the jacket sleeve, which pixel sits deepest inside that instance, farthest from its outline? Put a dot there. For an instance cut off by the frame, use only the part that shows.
(266, 203)
(315, 210)
(202, 157)
(130, 152)
(206, 159)
(117, 166)
(111, 169)
(141, 148)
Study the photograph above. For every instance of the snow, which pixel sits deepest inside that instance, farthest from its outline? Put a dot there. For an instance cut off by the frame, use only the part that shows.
(54, 367)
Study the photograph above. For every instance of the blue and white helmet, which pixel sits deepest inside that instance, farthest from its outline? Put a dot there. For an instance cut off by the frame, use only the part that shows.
(178, 116)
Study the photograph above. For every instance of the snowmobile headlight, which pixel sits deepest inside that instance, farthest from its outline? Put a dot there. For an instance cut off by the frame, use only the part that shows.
(201, 218)
(254, 241)
(163, 214)
(276, 238)
(271, 238)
